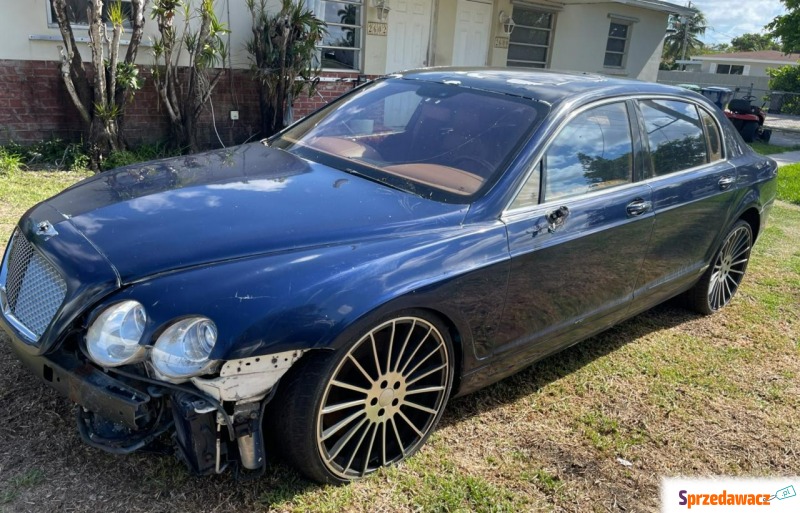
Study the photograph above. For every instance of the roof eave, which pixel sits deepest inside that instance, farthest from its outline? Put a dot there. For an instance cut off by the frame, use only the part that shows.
(709, 58)
(659, 5)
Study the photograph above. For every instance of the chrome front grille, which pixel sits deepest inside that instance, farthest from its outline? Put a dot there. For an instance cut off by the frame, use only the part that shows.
(34, 290)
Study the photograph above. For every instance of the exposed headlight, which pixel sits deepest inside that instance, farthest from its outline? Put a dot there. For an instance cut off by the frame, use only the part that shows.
(182, 351)
(113, 338)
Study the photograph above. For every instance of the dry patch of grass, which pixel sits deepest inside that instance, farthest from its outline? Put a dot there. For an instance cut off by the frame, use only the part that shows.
(593, 428)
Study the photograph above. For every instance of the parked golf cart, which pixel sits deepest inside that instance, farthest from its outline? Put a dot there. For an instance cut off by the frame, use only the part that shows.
(746, 117)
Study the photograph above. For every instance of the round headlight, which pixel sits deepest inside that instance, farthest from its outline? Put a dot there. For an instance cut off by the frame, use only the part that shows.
(113, 338)
(183, 350)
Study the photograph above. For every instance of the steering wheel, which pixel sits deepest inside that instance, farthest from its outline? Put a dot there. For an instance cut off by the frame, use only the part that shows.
(473, 164)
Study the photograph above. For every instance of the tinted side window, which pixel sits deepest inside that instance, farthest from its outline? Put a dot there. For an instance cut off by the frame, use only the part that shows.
(592, 152)
(712, 136)
(675, 134)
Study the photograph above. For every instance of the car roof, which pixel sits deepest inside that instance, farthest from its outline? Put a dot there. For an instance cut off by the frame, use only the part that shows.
(542, 85)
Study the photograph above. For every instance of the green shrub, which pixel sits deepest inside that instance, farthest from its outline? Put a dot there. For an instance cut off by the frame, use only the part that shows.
(787, 79)
(10, 162)
(143, 153)
(53, 153)
(57, 154)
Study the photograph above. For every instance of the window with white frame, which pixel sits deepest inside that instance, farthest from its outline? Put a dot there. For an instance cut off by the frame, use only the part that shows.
(340, 48)
(529, 43)
(730, 69)
(619, 33)
(78, 15)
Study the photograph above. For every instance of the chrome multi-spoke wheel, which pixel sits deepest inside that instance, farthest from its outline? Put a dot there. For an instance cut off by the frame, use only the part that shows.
(729, 267)
(373, 402)
(384, 397)
(718, 285)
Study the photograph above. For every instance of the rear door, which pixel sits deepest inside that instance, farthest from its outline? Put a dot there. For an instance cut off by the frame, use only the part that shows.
(578, 232)
(693, 192)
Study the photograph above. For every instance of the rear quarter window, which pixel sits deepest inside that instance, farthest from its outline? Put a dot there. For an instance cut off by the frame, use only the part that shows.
(713, 138)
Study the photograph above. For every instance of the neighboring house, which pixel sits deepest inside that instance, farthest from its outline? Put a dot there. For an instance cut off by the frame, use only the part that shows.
(753, 64)
(366, 38)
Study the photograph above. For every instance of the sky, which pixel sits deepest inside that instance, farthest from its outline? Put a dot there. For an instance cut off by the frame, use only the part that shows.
(728, 19)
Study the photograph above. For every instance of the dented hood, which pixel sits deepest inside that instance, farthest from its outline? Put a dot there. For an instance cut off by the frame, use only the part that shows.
(244, 201)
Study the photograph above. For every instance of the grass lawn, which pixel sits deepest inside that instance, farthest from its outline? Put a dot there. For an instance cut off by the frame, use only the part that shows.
(670, 392)
(23, 189)
(771, 149)
(789, 183)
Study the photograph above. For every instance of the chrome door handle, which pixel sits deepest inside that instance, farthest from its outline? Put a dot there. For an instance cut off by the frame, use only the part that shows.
(638, 207)
(726, 181)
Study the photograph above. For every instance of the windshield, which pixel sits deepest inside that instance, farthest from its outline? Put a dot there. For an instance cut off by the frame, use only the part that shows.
(444, 142)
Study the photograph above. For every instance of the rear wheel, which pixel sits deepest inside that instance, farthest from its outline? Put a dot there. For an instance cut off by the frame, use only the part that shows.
(721, 280)
(370, 404)
(749, 131)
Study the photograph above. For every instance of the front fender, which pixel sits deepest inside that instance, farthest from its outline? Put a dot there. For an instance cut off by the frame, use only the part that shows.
(306, 299)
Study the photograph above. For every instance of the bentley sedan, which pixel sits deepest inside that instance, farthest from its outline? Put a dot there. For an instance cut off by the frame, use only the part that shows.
(327, 290)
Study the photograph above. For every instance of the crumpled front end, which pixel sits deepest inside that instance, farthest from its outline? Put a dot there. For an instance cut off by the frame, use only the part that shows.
(46, 307)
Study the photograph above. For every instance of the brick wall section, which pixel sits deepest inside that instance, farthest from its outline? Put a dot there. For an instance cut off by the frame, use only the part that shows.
(35, 105)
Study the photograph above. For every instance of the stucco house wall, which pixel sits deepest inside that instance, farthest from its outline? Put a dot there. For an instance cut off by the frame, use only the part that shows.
(586, 53)
(34, 104)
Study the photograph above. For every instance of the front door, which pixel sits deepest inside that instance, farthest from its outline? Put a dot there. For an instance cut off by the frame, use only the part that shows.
(578, 233)
(408, 35)
(473, 28)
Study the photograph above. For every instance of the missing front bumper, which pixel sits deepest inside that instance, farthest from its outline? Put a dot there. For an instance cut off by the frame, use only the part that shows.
(89, 387)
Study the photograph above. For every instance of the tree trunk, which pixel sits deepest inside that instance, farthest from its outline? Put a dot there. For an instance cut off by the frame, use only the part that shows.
(99, 100)
(102, 141)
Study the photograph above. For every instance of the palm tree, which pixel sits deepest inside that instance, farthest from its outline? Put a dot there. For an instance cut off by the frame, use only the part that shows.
(683, 30)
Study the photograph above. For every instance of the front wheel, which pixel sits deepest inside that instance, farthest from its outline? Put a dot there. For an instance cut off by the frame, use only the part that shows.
(370, 404)
(721, 280)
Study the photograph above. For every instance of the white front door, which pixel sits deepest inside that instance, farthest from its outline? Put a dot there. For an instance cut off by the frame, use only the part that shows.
(409, 31)
(473, 28)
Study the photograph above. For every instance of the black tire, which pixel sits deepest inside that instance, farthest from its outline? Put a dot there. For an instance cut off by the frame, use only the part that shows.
(372, 420)
(749, 131)
(765, 134)
(721, 280)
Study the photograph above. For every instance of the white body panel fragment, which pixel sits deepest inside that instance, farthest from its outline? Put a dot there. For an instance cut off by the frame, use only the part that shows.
(248, 379)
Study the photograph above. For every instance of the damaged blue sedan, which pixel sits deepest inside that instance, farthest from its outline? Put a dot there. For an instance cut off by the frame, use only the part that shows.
(326, 291)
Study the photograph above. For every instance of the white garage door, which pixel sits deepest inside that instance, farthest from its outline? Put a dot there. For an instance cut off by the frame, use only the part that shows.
(473, 27)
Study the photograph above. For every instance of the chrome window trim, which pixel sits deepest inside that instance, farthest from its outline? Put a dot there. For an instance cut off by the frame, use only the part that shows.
(509, 213)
